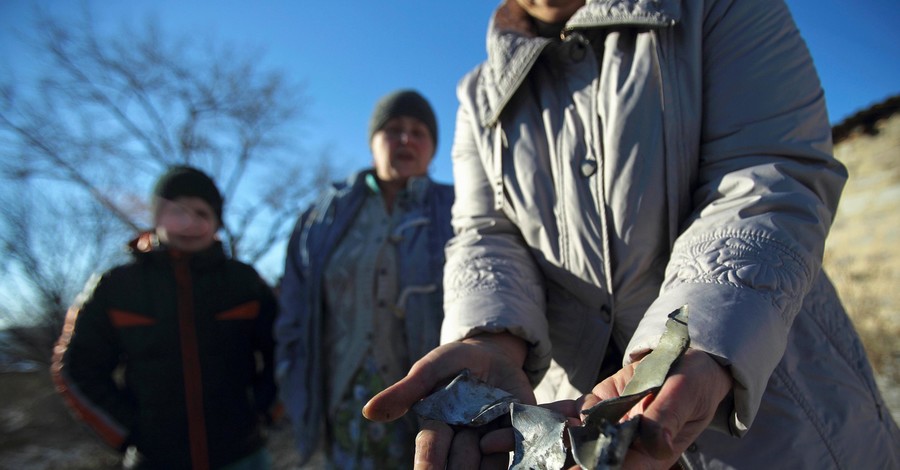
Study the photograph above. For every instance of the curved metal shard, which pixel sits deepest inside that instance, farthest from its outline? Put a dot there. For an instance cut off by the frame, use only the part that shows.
(653, 369)
(602, 447)
(601, 442)
(465, 401)
(612, 409)
(539, 438)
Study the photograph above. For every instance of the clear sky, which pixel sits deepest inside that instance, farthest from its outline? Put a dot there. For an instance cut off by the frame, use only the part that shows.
(349, 53)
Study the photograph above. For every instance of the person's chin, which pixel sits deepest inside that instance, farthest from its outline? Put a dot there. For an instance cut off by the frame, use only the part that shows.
(407, 169)
(188, 245)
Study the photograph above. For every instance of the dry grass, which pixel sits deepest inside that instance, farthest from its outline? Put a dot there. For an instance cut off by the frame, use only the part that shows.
(871, 299)
(870, 292)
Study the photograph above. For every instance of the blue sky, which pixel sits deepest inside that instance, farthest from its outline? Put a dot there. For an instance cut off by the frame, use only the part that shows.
(349, 53)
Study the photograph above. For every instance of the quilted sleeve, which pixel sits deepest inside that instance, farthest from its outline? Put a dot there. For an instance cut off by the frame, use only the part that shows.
(766, 194)
(491, 282)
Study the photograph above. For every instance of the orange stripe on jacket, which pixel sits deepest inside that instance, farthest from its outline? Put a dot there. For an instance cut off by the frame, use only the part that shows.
(109, 430)
(123, 319)
(245, 311)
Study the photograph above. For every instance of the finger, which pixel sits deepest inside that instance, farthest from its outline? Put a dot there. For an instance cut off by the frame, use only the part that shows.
(637, 458)
(464, 451)
(684, 406)
(500, 440)
(495, 461)
(423, 377)
(658, 427)
(567, 408)
(394, 401)
(587, 402)
(654, 446)
(613, 385)
(433, 445)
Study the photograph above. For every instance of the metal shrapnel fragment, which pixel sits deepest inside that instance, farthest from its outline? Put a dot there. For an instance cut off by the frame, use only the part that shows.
(602, 441)
(602, 447)
(653, 369)
(465, 401)
(539, 438)
(612, 409)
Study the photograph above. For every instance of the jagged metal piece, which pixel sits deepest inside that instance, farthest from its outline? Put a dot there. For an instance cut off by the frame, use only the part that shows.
(602, 447)
(652, 371)
(612, 409)
(539, 438)
(465, 401)
(602, 441)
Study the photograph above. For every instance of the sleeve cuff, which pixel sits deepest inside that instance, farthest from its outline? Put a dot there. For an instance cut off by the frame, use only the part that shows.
(738, 327)
(471, 315)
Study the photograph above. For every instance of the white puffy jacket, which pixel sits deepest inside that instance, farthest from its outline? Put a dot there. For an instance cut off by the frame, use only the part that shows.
(663, 153)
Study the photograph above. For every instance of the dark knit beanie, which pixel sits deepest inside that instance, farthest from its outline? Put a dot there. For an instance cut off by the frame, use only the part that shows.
(403, 103)
(187, 181)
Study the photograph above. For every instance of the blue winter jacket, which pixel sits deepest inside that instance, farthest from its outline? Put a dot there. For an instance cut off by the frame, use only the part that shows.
(299, 326)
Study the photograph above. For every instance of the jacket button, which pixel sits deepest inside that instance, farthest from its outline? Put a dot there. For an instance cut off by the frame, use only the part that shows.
(588, 167)
(605, 314)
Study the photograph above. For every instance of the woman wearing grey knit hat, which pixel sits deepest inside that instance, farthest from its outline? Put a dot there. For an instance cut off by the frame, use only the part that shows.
(403, 138)
(362, 291)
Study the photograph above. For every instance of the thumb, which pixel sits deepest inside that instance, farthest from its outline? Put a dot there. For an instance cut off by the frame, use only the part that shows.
(423, 377)
(684, 406)
(661, 422)
(394, 401)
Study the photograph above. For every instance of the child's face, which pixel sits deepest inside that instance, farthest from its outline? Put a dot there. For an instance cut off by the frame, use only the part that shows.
(187, 224)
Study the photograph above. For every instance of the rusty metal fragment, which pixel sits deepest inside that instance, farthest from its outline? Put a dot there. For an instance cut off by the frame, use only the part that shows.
(539, 438)
(465, 401)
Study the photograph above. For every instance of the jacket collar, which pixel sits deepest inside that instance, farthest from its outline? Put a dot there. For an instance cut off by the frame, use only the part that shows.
(416, 189)
(146, 246)
(513, 47)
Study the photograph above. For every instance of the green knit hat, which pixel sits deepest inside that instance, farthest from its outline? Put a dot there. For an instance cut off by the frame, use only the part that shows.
(403, 103)
(188, 181)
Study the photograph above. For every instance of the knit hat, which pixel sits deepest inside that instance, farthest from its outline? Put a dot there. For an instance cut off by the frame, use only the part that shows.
(403, 103)
(187, 181)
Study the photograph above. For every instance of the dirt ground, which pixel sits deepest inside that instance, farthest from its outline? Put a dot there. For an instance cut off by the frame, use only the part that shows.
(38, 433)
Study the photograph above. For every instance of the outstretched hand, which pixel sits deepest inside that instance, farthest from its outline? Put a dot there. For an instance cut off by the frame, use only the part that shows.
(496, 359)
(676, 415)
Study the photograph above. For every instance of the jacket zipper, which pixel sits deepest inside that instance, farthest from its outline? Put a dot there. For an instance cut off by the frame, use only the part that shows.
(190, 361)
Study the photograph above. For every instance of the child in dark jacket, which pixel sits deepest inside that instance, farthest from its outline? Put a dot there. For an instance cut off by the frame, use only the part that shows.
(191, 332)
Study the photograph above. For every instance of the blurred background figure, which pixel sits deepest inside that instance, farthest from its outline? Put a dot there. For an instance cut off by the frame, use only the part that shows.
(169, 358)
(361, 296)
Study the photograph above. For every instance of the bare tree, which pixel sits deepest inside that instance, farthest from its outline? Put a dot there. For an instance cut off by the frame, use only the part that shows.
(105, 115)
(110, 113)
(51, 245)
